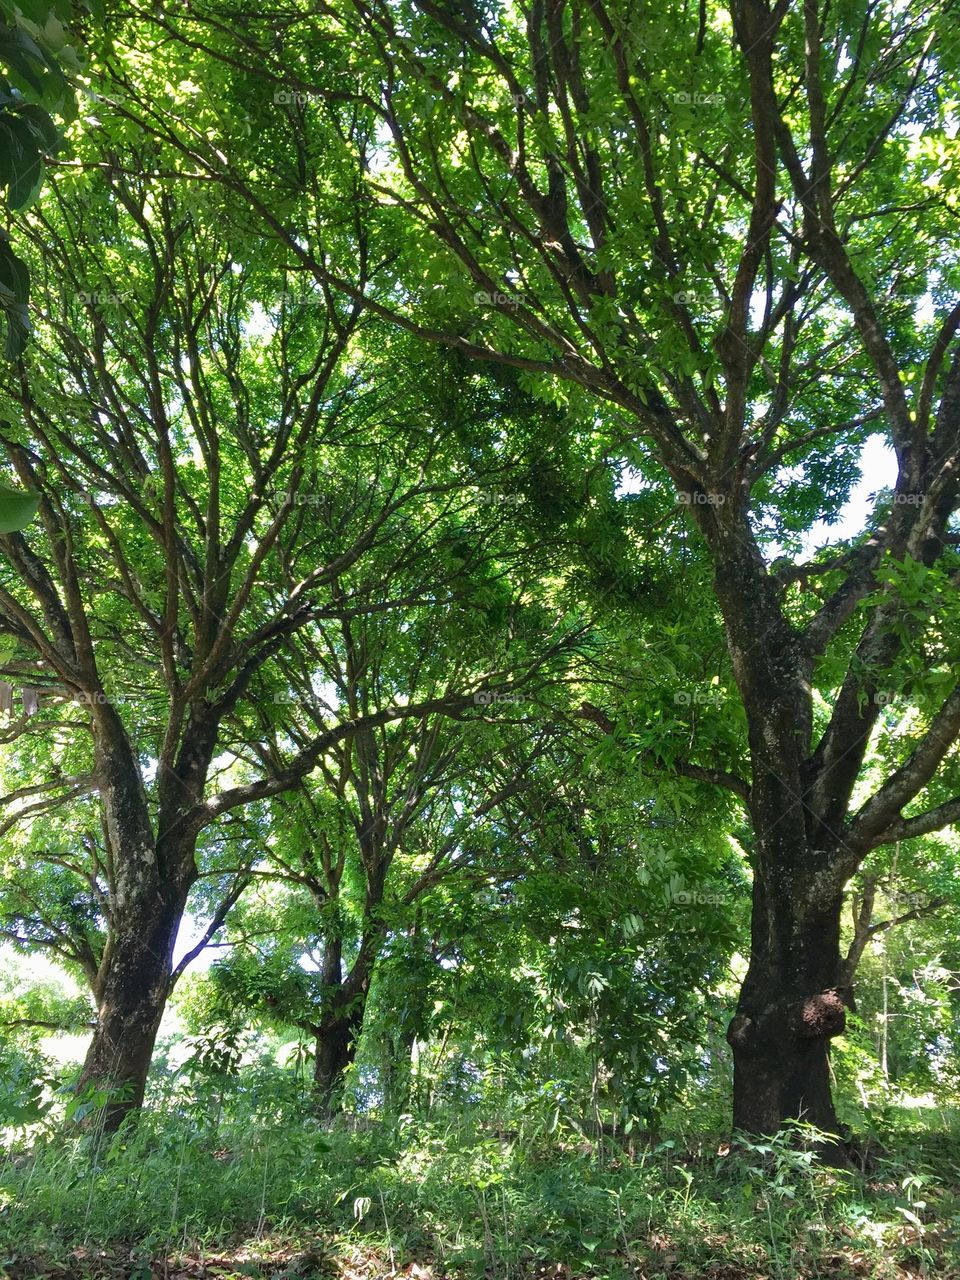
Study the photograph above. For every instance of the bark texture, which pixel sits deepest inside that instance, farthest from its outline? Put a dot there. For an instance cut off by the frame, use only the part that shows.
(131, 1002)
(336, 1048)
(788, 1011)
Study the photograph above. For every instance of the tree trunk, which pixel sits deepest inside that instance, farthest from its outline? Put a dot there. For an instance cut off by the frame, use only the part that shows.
(789, 1008)
(336, 1049)
(133, 990)
(790, 1004)
(345, 1006)
(150, 876)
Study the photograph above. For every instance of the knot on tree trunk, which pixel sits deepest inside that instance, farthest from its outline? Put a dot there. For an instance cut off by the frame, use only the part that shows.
(822, 1016)
(738, 1032)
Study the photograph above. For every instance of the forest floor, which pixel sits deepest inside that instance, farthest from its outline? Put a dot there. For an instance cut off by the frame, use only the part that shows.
(291, 1203)
(274, 1260)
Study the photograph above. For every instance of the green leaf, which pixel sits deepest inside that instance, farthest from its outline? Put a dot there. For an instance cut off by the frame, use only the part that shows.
(14, 296)
(17, 509)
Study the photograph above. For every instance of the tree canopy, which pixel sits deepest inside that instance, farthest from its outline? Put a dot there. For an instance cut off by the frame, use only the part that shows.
(458, 598)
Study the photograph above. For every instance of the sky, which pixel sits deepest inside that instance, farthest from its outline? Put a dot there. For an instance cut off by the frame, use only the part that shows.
(878, 464)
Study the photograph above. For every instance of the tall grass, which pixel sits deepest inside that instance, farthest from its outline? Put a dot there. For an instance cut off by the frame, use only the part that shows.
(259, 1188)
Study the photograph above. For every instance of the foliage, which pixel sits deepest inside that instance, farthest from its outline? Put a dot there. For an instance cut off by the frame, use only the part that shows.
(466, 1201)
(35, 53)
(456, 655)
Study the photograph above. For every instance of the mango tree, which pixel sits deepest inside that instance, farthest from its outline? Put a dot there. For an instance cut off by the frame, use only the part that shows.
(728, 237)
(210, 489)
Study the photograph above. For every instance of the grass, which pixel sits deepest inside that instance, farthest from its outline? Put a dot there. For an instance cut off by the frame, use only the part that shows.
(264, 1197)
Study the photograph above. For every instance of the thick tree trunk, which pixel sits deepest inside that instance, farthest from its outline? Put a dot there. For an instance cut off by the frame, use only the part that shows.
(132, 994)
(339, 1030)
(790, 1003)
(789, 1008)
(336, 1048)
(150, 877)
(149, 880)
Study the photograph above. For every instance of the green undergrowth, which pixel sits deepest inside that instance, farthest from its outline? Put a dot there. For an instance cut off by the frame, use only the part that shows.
(437, 1200)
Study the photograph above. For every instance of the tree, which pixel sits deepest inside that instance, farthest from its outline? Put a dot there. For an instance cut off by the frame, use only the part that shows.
(590, 980)
(715, 231)
(395, 810)
(207, 496)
